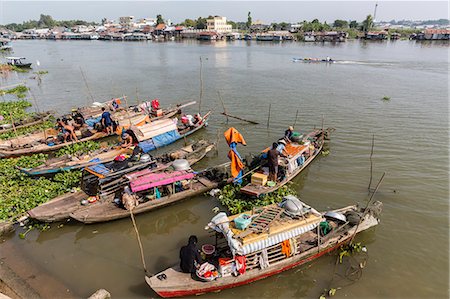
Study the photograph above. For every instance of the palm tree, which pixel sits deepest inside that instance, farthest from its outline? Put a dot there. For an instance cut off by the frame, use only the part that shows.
(367, 23)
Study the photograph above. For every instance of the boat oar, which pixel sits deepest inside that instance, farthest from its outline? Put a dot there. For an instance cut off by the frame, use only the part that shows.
(140, 243)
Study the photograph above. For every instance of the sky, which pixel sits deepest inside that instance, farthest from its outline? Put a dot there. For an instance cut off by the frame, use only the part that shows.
(267, 11)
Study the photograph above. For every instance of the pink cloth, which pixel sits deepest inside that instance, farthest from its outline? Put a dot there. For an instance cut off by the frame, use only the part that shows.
(159, 179)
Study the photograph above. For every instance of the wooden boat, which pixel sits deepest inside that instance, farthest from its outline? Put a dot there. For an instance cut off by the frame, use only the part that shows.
(5, 44)
(310, 146)
(59, 208)
(108, 210)
(284, 243)
(18, 62)
(27, 122)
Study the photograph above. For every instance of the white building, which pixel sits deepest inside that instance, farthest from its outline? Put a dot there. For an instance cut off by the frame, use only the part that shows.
(126, 21)
(145, 22)
(218, 24)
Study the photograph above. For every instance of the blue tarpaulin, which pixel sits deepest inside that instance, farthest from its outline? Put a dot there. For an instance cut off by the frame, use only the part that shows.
(147, 145)
(92, 121)
(166, 138)
(99, 168)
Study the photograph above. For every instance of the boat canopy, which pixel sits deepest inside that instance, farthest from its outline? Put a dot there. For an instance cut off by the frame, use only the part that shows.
(243, 242)
(154, 129)
(159, 179)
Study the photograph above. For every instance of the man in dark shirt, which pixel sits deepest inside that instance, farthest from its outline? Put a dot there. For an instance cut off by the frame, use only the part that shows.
(189, 255)
(107, 121)
(272, 157)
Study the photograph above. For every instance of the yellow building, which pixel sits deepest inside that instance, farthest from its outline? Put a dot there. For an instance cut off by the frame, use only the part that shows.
(218, 24)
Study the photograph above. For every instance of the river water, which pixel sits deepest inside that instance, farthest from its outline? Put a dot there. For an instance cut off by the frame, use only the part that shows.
(408, 251)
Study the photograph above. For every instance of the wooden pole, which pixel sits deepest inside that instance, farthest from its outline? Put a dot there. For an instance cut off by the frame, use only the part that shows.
(87, 86)
(139, 240)
(295, 122)
(368, 203)
(201, 87)
(223, 105)
(128, 110)
(371, 163)
(137, 96)
(236, 117)
(14, 127)
(268, 118)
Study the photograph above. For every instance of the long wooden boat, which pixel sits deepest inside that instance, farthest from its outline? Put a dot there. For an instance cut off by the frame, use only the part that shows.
(146, 133)
(288, 242)
(28, 122)
(59, 208)
(310, 147)
(108, 210)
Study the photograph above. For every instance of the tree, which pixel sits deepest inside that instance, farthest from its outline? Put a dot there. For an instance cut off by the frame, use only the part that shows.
(201, 23)
(283, 25)
(233, 24)
(353, 24)
(189, 23)
(159, 20)
(104, 21)
(340, 24)
(367, 23)
(249, 20)
(46, 21)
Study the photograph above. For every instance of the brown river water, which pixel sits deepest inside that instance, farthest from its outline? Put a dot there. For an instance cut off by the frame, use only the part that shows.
(408, 251)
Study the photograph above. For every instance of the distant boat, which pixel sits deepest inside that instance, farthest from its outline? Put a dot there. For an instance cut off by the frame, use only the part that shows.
(312, 60)
(5, 44)
(18, 61)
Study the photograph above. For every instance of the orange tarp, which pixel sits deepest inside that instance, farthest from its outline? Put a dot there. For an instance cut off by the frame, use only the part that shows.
(232, 135)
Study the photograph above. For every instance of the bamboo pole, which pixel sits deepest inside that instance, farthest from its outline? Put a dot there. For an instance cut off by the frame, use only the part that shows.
(139, 240)
(368, 203)
(87, 86)
(201, 87)
(239, 118)
(128, 111)
(14, 127)
(371, 162)
(295, 122)
(223, 105)
(137, 96)
(268, 118)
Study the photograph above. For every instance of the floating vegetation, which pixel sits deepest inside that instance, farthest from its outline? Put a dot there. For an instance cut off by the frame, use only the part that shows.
(26, 130)
(41, 73)
(20, 193)
(78, 148)
(19, 91)
(386, 98)
(14, 109)
(231, 198)
(6, 68)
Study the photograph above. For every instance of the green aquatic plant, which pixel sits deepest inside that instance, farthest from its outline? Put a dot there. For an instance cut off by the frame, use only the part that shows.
(14, 109)
(231, 197)
(78, 148)
(19, 91)
(386, 98)
(31, 129)
(20, 193)
(41, 72)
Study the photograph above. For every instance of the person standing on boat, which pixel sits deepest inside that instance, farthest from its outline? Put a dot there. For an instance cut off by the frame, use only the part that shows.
(272, 158)
(281, 146)
(190, 256)
(107, 121)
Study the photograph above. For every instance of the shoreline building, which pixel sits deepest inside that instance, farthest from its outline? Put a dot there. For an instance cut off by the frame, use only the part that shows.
(218, 24)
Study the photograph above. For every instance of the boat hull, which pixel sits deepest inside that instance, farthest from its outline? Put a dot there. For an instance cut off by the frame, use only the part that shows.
(198, 288)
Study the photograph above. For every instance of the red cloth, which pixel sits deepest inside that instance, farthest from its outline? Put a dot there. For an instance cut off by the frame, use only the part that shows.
(155, 104)
(241, 265)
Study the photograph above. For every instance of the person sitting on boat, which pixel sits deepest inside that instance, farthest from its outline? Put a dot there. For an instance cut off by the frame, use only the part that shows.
(114, 104)
(155, 105)
(67, 130)
(78, 119)
(107, 121)
(189, 256)
(127, 140)
(197, 119)
(328, 58)
(288, 133)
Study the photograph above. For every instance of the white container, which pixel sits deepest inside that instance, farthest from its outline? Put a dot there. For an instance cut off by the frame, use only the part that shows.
(181, 164)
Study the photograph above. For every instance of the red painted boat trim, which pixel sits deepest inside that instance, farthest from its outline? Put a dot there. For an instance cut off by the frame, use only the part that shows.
(168, 294)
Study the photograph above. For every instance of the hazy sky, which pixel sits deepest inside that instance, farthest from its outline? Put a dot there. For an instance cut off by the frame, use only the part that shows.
(267, 11)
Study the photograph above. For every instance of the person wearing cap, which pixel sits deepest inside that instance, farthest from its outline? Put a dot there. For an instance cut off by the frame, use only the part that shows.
(288, 133)
(127, 140)
(281, 146)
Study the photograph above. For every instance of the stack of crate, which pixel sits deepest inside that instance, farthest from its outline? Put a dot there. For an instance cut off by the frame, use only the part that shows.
(259, 179)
